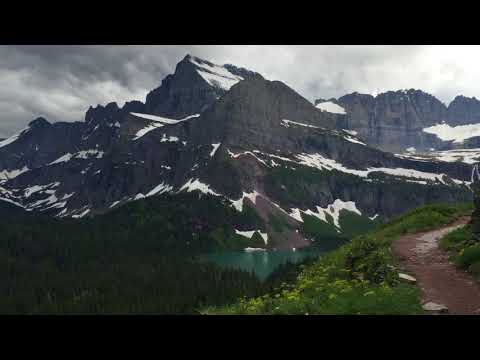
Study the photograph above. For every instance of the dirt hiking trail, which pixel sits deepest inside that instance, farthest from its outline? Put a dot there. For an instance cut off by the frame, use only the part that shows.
(445, 288)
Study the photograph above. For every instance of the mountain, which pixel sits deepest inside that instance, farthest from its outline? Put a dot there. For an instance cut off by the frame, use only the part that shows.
(249, 142)
(195, 85)
(463, 110)
(410, 120)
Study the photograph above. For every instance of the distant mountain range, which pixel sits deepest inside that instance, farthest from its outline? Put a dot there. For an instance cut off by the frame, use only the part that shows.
(403, 120)
(228, 132)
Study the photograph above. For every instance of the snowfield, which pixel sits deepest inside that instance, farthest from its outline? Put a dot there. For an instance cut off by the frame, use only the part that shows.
(457, 134)
(331, 107)
(320, 162)
(467, 156)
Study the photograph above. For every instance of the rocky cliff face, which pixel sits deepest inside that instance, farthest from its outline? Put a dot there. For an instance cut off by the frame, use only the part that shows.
(463, 110)
(195, 85)
(395, 120)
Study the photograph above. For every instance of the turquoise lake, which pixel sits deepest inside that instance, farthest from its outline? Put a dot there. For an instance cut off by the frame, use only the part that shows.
(262, 263)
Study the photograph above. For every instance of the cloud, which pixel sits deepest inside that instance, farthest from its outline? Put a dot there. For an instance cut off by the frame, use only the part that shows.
(61, 82)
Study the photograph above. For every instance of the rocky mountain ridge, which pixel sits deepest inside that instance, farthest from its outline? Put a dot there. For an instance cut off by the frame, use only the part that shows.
(229, 133)
(395, 121)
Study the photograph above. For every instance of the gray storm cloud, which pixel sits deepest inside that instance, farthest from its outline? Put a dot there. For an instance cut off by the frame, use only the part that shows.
(61, 82)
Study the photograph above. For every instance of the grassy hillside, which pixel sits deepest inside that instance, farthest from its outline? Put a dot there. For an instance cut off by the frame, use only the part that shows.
(358, 278)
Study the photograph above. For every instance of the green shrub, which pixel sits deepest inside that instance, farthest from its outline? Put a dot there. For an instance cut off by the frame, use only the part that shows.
(469, 256)
(369, 261)
(457, 239)
(475, 269)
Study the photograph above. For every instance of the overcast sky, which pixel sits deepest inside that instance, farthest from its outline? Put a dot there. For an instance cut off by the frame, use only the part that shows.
(61, 82)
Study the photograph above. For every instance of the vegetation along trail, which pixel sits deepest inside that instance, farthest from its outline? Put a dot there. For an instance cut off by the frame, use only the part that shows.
(445, 288)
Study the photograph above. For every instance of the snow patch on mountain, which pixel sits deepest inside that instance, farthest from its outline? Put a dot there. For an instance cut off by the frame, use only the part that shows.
(81, 214)
(333, 210)
(63, 158)
(351, 132)
(354, 140)
(250, 249)
(215, 148)
(87, 154)
(287, 123)
(84, 154)
(458, 134)
(196, 184)
(296, 214)
(6, 175)
(322, 163)
(146, 130)
(235, 156)
(331, 107)
(169, 139)
(249, 235)
(37, 188)
(158, 121)
(13, 138)
(159, 189)
(12, 202)
(238, 204)
(47, 201)
(467, 156)
(114, 204)
(215, 75)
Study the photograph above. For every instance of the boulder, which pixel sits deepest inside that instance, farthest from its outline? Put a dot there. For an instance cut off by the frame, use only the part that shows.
(435, 308)
(407, 278)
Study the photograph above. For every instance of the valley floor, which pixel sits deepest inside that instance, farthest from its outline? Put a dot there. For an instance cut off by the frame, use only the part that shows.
(440, 281)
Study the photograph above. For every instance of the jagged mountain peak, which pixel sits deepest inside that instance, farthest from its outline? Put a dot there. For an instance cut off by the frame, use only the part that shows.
(194, 86)
(40, 121)
(464, 110)
(462, 98)
(355, 95)
(211, 67)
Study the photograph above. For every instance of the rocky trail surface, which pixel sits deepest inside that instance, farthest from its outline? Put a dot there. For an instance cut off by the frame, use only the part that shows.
(445, 288)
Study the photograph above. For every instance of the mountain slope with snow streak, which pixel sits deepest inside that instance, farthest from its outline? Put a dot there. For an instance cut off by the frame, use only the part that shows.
(254, 145)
